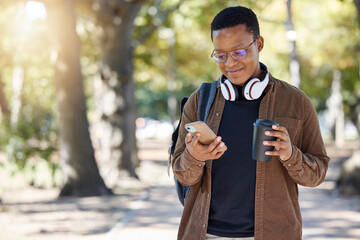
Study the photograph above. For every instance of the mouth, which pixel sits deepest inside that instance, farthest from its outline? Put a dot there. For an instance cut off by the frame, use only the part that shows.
(235, 71)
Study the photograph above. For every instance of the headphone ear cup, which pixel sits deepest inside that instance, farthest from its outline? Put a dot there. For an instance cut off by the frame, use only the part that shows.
(224, 91)
(250, 89)
(228, 90)
(254, 88)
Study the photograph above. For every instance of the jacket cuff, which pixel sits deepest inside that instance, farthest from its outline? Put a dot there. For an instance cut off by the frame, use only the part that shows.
(191, 162)
(294, 162)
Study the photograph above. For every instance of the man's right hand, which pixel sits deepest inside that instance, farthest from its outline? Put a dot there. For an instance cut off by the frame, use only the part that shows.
(204, 152)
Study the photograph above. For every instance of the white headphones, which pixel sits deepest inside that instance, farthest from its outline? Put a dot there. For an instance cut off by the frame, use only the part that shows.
(252, 89)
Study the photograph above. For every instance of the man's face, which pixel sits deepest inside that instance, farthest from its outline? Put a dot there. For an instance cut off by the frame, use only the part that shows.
(233, 38)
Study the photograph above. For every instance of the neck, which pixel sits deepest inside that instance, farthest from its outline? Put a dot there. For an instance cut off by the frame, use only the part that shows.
(258, 73)
(263, 71)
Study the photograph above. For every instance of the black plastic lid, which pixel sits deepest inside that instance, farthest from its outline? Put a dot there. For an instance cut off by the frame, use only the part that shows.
(265, 123)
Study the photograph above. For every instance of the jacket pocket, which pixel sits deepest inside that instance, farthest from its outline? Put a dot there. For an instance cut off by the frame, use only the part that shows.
(293, 126)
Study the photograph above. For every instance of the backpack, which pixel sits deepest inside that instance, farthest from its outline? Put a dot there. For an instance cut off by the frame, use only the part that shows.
(206, 99)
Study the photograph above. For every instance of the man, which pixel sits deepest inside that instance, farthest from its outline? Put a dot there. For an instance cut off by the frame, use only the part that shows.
(233, 196)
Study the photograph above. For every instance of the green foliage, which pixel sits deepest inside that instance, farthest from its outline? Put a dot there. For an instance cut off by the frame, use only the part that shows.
(31, 140)
(351, 85)
(170, 52)
(179, 48)
(328, 36)
(151, 102)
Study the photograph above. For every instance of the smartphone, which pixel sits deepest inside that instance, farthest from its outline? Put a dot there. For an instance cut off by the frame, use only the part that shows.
(207, 135)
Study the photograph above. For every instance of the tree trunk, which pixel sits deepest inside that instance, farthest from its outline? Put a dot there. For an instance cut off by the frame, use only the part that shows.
(117, 100)
(80, 173)
(17, 84)
(355, 112)
(172, 102)
(340, 118)
(357, 5)
(355, 109)
(294, 59)
(4, 105)
(335, 110)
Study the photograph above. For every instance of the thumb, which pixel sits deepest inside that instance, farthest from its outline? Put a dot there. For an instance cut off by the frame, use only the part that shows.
(188, 138)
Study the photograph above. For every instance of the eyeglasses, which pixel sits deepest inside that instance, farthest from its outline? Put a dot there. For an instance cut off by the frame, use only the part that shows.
(237, 54)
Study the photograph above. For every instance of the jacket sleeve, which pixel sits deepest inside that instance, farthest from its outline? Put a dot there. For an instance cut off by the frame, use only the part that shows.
(187, 169)
(309, 162)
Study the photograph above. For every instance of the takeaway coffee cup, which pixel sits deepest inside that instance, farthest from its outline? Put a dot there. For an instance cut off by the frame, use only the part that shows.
(258, 148)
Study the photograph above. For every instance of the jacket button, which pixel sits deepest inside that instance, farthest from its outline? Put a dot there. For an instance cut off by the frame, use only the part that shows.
(204, 225)
(217, 114)
(200, 165)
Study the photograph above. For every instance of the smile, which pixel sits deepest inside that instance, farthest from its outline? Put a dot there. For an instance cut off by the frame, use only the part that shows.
(235, 71)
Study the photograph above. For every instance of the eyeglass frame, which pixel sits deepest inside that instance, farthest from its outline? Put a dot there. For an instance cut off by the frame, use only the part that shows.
(226, 52)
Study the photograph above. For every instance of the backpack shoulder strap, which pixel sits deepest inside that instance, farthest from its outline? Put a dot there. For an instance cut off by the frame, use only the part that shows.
(207, 96)
(206, 99)
(175, 134)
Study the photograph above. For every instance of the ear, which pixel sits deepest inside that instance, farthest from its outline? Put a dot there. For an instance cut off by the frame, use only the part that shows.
(260, 43)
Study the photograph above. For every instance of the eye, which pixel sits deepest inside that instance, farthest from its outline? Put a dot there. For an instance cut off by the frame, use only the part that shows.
(220, 55)
(239, 53)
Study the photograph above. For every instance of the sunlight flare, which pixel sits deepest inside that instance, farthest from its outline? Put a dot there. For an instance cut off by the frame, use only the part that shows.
(35, 10)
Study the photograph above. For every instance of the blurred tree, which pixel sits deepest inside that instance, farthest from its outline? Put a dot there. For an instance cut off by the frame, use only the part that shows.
(25, 71)
(357, 5)
(294, 59)
(355, 108)
(3, 101)
(179, 49)
(17, 86)
(349, 180)
(172, 62)
(118, 113)
(4, 106)
(80, 172)
(157, 43)
(117, 87)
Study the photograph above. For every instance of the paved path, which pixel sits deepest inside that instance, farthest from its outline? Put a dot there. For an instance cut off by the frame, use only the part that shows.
(329, 217)
(325, 215)
(154, 217)
(157, 215)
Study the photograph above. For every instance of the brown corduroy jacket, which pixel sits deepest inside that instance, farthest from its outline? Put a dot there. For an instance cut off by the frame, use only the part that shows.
(277, 211)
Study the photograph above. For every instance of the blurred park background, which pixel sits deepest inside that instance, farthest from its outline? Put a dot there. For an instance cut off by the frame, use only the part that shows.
(89, 95)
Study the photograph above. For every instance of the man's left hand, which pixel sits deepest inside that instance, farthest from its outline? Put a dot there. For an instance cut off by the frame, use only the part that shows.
(283, 147)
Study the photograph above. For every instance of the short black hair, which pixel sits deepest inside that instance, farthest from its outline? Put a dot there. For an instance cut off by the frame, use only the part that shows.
(232, 16)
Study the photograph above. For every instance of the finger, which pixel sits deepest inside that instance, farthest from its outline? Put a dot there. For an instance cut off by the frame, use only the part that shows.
(279, 128)
(188, 138)
(222, 148)
(276, 144)
(282, 135)
(272, 153)
(219, 154)
(214, 144)
(277, 148)
(195, 140)
(218, 148)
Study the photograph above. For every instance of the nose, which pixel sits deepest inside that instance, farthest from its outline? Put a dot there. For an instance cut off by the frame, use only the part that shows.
(230, 61)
